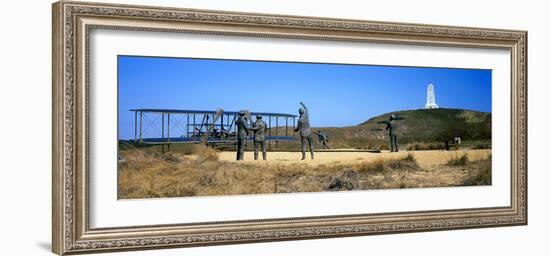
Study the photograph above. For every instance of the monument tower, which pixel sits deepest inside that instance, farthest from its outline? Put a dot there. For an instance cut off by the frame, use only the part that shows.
(430, 101)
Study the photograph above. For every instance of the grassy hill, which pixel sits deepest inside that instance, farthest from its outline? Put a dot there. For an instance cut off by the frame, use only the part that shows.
(421, 125)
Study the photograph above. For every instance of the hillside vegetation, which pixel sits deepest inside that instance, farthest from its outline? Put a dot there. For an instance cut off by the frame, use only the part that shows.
(421, 125)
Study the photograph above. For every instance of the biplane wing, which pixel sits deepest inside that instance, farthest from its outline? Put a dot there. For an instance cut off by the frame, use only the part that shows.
(203, 126)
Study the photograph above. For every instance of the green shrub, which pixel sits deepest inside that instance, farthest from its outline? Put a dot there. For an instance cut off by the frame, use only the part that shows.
(482, 146)
(425, 146)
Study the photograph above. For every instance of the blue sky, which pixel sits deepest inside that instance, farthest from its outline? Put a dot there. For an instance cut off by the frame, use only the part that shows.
(336, 94)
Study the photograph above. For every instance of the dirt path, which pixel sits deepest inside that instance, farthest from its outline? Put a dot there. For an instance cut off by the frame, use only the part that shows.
(426, 159)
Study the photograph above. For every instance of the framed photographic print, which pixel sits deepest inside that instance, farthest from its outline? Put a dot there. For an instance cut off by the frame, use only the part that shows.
(178, 127)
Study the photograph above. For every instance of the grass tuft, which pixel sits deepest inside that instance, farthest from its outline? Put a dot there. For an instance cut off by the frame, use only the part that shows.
(376, 166)
(204, 154)
(484, 174)
(410, 158)
(458, 160)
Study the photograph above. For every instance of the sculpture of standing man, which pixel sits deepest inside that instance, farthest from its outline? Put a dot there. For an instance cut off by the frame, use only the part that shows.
(305, 130)
(392, 131)
(242, 134)
(259, 127)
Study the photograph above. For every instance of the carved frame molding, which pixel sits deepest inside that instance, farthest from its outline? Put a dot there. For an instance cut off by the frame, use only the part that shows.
(72, 22)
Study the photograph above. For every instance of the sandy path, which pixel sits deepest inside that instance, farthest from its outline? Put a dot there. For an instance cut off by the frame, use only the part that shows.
(424, 158)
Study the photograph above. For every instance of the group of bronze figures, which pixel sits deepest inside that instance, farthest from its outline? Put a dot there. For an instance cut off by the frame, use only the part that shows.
(303, 128)
(258, 127)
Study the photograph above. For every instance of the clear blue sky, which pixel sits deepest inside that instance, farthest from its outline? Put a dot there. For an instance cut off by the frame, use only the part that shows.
(337, 95)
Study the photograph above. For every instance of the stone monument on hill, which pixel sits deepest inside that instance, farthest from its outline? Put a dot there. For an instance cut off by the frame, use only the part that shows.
(430, 101)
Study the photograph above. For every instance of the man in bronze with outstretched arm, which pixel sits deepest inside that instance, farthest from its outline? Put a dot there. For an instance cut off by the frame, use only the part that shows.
(304, 129)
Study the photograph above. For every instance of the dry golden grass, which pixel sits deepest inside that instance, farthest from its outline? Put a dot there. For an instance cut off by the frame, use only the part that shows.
(205, 172)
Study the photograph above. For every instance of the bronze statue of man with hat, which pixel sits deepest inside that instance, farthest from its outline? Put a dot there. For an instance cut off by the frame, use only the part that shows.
(242, 134)
(260, 128)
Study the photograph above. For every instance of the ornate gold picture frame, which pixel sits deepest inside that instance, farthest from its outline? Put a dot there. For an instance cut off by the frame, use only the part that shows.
(72, 24)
